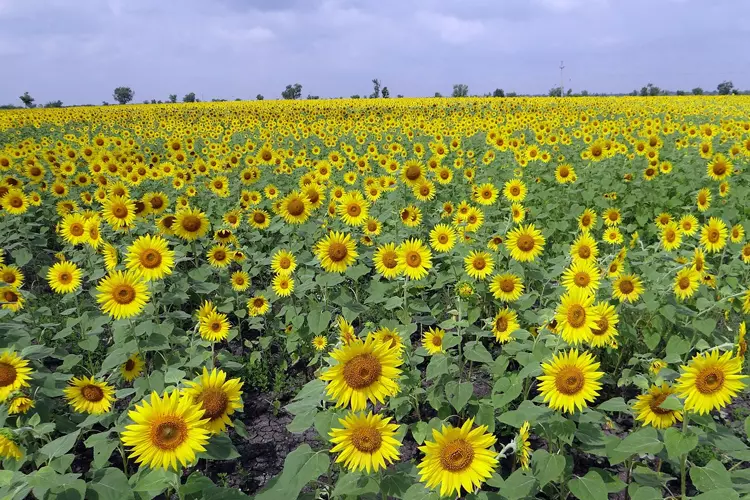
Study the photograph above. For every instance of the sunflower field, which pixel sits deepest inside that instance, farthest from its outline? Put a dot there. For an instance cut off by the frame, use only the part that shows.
(428, 298)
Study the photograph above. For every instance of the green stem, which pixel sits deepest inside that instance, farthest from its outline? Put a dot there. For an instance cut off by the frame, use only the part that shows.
(683, 461)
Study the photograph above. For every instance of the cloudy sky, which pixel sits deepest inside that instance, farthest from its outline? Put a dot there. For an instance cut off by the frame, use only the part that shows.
(79, 50)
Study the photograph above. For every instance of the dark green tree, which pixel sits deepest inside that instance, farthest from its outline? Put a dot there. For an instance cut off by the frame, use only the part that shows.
(189, 97)
(259, 97)
(27, 100)
(385, 93)
(460, 90)
(697, 91)
(172, 98)
(375, 89)
(725, 88)
(498, 93)
(292, 91)
(123, 95)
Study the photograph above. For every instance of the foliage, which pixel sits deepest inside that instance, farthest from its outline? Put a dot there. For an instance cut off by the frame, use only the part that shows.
(27, 100)
(292, 91)
(725, 88)
(460, 90)
(123, 95)
(190, 97)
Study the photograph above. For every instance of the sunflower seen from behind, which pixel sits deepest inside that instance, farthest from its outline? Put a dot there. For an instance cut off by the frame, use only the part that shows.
(365, 442)
(570, 381)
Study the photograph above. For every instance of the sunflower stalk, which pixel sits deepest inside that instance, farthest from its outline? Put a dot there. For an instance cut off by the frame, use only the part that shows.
(683, 460)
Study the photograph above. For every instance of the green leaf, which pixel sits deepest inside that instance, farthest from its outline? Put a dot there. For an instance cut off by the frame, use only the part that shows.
(679, 443)
(109, 484)
(518, 485)
(21, 256)
(437, 366)
(711, 477)
(60, 446)
(318, 321)
(196, 483)
(645, 440)
(705, 326)
(589, 487)
(355, 484)
(720, 494)
(486, 416)
(419, 492)
(638, 492)
(672, 402)
(300, 467)
(458, 394)
(153, 481)
(475, 351)
(326, 420)
(174, 375)
(220, 448)
(526, 411)
(614, 404)
(509, 389)
(546, 466)
(422, 430)
(747, 427)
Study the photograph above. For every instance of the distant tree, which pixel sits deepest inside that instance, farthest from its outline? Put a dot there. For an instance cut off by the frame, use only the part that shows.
(725, 88)
(153, 101)
(460, 90)
(498, 93)
(54, 104)
(569, 92)
(105, 103)
(237, 99)
(313, 96)
(555, 92)
(375, 89)
(189, 97)
(172, 98)
(584, 93)
(259, 97)
(355, 96)
(292, 91)
(123, 95)
(438, 94)
(160, 101)
(385, 93)
(511, 94)
(681, 92)
(735, 92)
(697, 91)
(644, 91)
(399, 96)
(27, 100)
(145, 101)
(653, 90)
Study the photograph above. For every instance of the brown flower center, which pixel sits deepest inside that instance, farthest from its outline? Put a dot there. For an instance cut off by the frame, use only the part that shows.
(92, 393)
(120, 211)
(576, 316)
(570, 380)
(337, 251)
(655, 403)
(684, 283)
(413, 259)
(389, 260)
(582, 279)
(709, 380)
(296, 207)
(584, 251)
(129, 365)
(602, 326)
(456, 455)
(259, 217)
(501, 324)
(354, 210)
(8, 374)
(214, 402)
(626, 286)
(525, 243)
(123, 294)
(65, 278)
(77, 229)
(413, 172)
(150, 259)
(169, 434)
(366, 439)
(191, 223)
(361, 371)
(479, 263)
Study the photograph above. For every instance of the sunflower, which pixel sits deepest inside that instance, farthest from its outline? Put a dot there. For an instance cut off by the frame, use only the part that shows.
(604, 332)
(504, 324)
(14, 374)
(525, 243)
(386, 261)
(414, 259)
(219, 256)
(612, 217)
(745, 253)
(576, 316)
(710, 381)
(19, 405)
(688, 224)
(719, 168)
(259, 219)
(703, 199)
(218, 397)
(442, 238)
(353, 209)
(166, 431)
(110, 257)
(283, 285)
(649, 411)
(295, 207)
(118, 211)
(741, 342)
(627, 288)
(319, 342)
(11, 299)
(365, 442)
(582, 274)
(15, 202)
(587, 220)
(122, 294)
(258, 305)
(389, 337)
(363, 371)
(737, 233)
(336, 252)
(191, 224)
(157, 202)
(88, 395)
(671, 237)
(479, 264)
(411, 216)
(746, 302)
(656, 366)
(584, 248)
(64, 277)
(686, 283)
(517, 212)
(485, 194)
(514, 190)
(11, 275)
(523, 446)
(93, 235)
(412, 172)
(151, 257)
(132, 368)
(458, 458)
(8, 447)
(283, 262)
(506, 287)
(240, 281)
(73, 228)
(214, 326)
(699, 261)
(570, 381)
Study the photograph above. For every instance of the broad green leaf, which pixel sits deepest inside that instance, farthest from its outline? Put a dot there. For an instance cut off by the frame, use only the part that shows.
(711, 477)
(60, 446)
(644, 440)
(547, 467)
(437, 366)
(705, 326)
(220, 447)
(589, 487)
(458, 393)
(614, 404)
(153, 481)
(720, 494)
(486, 416)
(109, 484)
(475, 351)
(21, 256)
(679, 443)
(526, 411)
(195, 485)
(355, 484)
(518, 485)
(318, 321)
(419, 492)
(300, 467)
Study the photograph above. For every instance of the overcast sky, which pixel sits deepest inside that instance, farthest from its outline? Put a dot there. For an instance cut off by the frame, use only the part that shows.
(80, 50)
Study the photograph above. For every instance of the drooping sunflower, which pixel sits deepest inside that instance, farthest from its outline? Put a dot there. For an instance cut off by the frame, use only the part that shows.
(20, 405)
(363, 371)
(283, 262)
(525, 243)
(365, 442)
(514, 190)
(506, 287)
(353, 209)
(15, 373)
(570, 381)
(686, 283)
(295, 208)
(8, 447)
(504, 324)
(627, 288)
(523, 446)
(576, 316)
(214, 326)
(649, 411)
(218, 396)
(151, 257)
(88, 395)
(458, 458)
(584, 248)
(386, 261)
(258, 305)
(605, 330)
(64, 277)
(191, 224)
(132, 368)
(432, 340)
(582, 274)
(414, 259)
(166, 431)
(710, 381)
(240, 281)
(122, 294)
(442, 238)
(479, 264)
(283, 285)
(336, 252)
